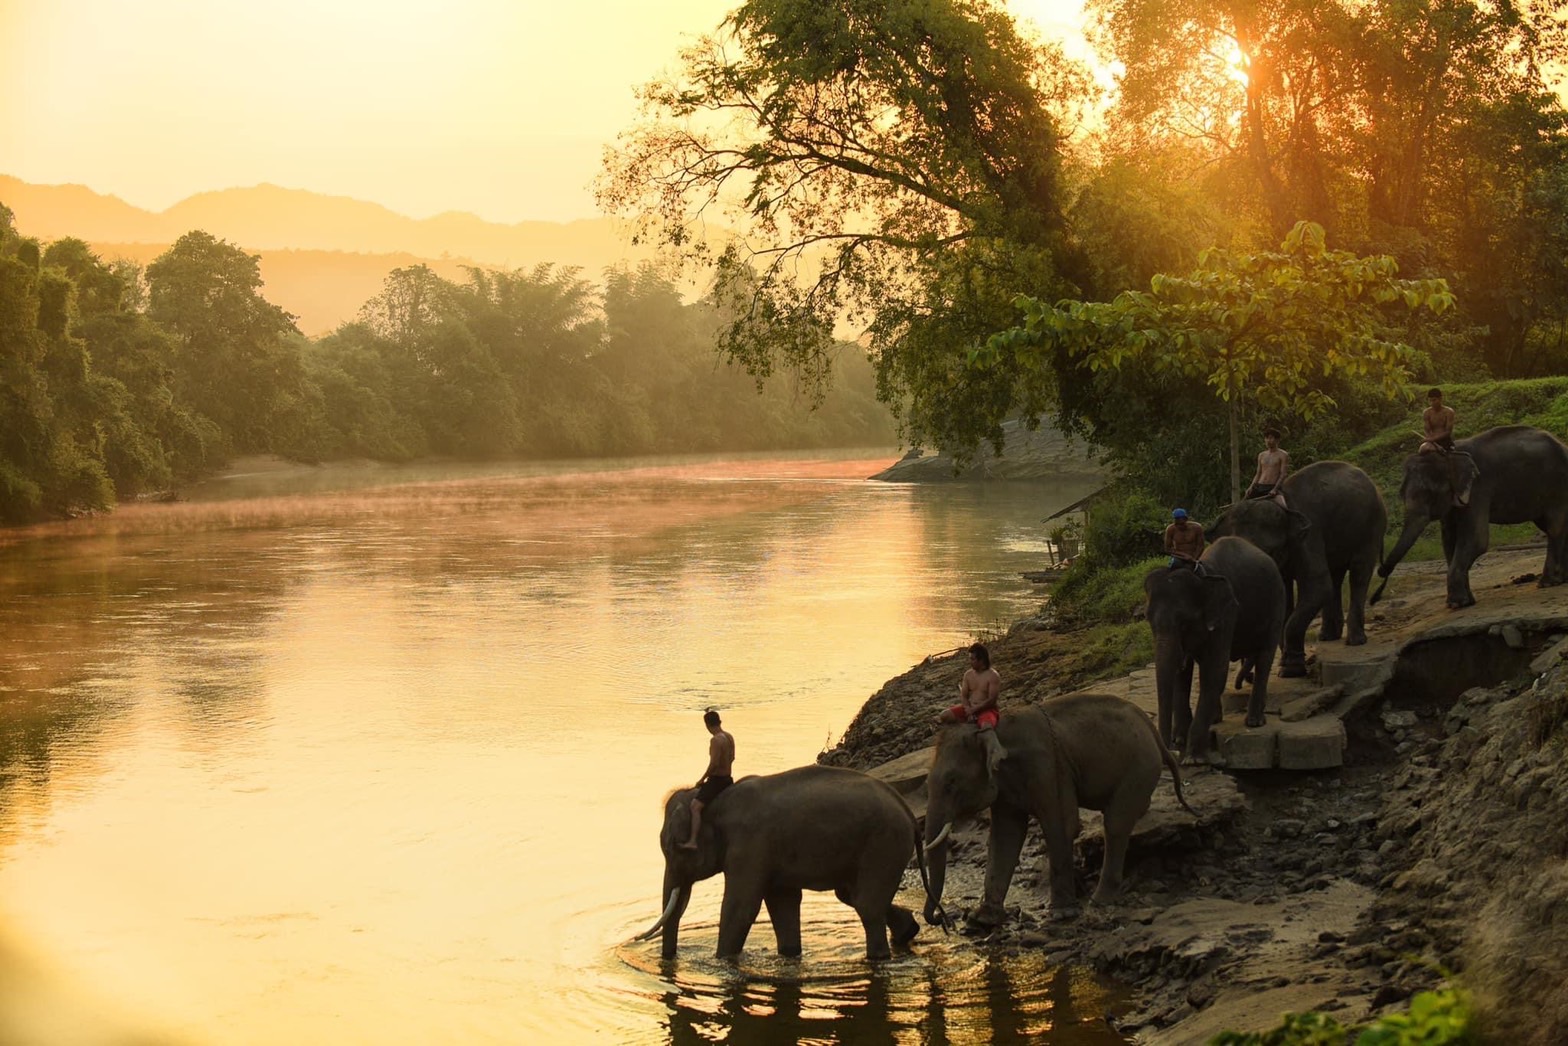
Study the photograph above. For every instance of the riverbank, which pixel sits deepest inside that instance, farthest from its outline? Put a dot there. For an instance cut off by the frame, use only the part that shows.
(1436, 845)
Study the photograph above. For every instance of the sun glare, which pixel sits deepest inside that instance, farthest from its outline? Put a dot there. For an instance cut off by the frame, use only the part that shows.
(1236, 64)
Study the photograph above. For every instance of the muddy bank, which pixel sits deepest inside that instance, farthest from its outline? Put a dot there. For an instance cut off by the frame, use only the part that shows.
(1438, 845)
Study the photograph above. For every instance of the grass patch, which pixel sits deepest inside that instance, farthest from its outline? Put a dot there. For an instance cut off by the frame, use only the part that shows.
(1102, 652)
(1110, 596)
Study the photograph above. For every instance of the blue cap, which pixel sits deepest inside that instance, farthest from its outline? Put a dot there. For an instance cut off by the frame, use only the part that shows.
(1180, 513)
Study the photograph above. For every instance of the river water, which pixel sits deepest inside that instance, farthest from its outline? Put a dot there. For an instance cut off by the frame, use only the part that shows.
(377, 755)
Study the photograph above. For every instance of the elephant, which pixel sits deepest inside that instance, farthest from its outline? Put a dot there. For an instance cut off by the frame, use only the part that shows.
(811, 828)
(1231, 608)
(1509, 474)
(1332, 524)
(1083, 750)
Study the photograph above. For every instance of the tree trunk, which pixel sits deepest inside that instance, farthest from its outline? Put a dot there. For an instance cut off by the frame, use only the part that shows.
(1235, 458)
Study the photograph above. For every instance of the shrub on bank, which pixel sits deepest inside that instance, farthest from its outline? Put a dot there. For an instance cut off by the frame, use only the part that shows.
(1436, 1018)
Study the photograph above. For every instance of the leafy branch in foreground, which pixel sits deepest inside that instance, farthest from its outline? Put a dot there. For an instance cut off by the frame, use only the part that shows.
(895, 164)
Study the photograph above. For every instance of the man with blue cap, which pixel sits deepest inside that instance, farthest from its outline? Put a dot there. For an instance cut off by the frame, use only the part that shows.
(1184, 540)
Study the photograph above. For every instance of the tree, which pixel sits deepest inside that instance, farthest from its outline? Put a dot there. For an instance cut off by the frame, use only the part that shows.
(1268, 329)
(234, 365)
(902, 158)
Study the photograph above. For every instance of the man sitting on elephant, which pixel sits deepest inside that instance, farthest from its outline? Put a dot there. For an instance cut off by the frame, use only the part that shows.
(1184, 539)
(1437, 433)
(721, 760)
(1273, 467)
(977, 695)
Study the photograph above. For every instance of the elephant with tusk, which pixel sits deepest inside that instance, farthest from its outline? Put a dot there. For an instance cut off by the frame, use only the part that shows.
(774, 836)
(1093, 751)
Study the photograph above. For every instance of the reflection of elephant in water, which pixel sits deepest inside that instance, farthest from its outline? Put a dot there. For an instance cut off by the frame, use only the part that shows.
(1334, 526)
(1233, 610)
(1510, 474)
(812, 828)
(1084, 750)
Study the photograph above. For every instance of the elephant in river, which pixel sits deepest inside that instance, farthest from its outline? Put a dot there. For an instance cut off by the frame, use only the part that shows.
(811, 828)
(1085, 750)
(1333, 525)
(1510, 474)
(1231, 608)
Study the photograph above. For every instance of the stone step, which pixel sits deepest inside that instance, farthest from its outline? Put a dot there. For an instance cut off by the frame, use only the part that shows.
(1317, 743)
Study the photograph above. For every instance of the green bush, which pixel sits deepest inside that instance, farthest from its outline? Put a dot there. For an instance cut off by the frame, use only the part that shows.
(1123, 529)
(1435, 1018)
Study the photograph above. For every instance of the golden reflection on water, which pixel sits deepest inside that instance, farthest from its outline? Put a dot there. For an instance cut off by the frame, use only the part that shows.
(386, 764)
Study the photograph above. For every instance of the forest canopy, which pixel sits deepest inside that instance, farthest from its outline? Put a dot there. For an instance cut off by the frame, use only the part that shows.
(906, 168)
(116, 381)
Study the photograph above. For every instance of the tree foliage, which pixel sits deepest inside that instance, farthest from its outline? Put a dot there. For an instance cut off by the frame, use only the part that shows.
(1267, 329)
(894, 164)
(110, 387)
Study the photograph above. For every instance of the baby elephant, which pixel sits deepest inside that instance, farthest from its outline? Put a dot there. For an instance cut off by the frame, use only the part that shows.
(1093, 751)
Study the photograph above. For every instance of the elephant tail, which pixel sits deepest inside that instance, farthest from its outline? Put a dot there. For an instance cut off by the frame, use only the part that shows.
(1175, 767)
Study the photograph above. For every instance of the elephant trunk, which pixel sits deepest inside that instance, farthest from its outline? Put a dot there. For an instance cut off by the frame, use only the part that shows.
(1168, 658)
(678, 895)
(1415, 522)
(938, 829)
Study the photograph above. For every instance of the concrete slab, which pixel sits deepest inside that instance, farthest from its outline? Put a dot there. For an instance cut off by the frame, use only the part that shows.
(1247, 748)
(1356, 668)
(1312, 744)
(1552, 653)
(907, 773)
(1308, 705)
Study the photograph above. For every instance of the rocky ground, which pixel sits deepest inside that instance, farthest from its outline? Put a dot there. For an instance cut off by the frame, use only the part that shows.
(1438, 846)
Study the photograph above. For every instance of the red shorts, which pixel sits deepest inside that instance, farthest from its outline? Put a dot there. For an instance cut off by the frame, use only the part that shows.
(983, 719)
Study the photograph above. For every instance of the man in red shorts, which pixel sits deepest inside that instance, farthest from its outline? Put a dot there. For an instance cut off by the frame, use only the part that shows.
(977, 696)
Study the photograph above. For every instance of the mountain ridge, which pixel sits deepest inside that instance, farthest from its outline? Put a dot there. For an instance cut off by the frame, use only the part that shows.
(322, 255)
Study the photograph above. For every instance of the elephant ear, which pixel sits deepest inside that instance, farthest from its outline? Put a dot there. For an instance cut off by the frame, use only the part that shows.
(1219, 601)
(1464, 476)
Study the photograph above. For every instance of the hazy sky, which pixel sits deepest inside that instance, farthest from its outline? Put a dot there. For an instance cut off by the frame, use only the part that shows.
(499, 107)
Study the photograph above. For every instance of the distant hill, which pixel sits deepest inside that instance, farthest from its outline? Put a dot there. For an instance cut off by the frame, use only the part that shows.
(322, 288)
(322, 256)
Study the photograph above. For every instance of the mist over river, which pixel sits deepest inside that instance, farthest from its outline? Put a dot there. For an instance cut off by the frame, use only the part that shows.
(365, 754)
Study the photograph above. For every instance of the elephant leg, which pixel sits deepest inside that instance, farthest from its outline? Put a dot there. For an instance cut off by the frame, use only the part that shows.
(1450, 536)
(1059, 822)
(1182, 705)
(902, 924)
(1333, 625)
(1130, 802)
(737, 912)
(1258, 702)
(784, 911)
(1361, 572)
(1313, 592)
(1008, 826)
(876, 883)
(1212, 674)
(1555, 572)
(1472, 538)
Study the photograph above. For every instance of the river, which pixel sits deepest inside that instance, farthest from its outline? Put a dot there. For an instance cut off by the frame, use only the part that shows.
(370, 754)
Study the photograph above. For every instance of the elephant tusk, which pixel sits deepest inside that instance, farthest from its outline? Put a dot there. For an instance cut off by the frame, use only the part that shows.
(669, 909)
(947, 830)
